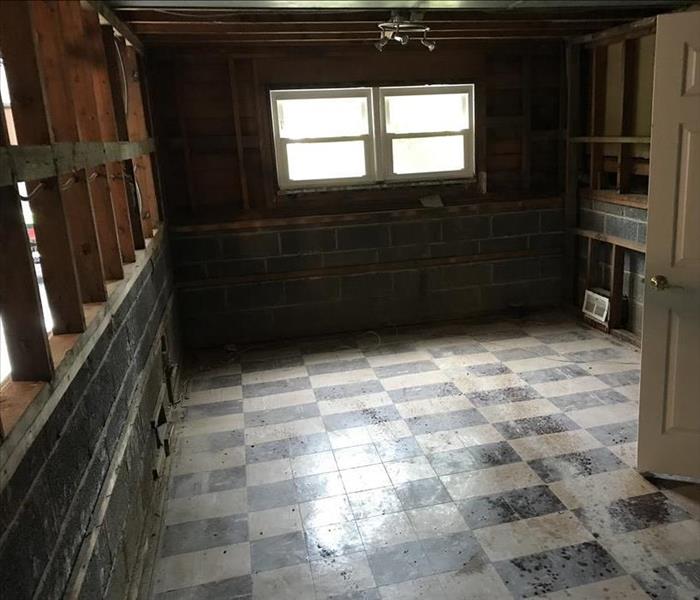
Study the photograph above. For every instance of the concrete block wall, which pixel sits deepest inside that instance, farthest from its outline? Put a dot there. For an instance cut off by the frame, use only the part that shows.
(626, 222)
(47, 507)
(388, 269)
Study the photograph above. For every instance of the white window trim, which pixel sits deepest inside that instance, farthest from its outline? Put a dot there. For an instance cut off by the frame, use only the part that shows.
(378, 148)
(284, 181)
(385, 137)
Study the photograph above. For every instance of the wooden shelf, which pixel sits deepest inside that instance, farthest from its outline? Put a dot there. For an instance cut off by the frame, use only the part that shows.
(611, 239)
(613, 197)
(610, 139)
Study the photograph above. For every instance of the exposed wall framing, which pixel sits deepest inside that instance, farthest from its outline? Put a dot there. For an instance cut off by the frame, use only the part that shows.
(609, 128)
(76, 162)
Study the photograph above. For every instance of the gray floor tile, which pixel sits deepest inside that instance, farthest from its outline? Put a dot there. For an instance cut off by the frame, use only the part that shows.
(523, 353)
(208, 382)
(420, 366)
(488, 370)
(445, 421)
(213, 409)
(281, 415)
(422, 392)
(619, 379)
(502, 396)
(279, 551)
(309, 444)
(210, 442)
(457, 350)
(553, 374)
(333, 540)
(473, 458)
(582, 400)
(313, 487)
(234, 588)
(454, 552)
(631, 514)
(554, 570)
(193, 484)
(338, 366)
(347, 390)
(615, 433)
(255, 390)
(399, 449)
(576, 464)
(423, 492)
(401, 562)
(359, 418)
(371, 503)
(556, 423)
(272, 495)
(207, 533)
(680, 581)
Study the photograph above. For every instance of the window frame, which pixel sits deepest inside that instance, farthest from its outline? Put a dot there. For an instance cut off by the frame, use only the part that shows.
(280, 143)
(386, 138)
(377, 142)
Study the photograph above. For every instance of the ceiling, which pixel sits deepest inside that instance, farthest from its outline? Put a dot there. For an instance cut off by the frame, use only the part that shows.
(302, 22)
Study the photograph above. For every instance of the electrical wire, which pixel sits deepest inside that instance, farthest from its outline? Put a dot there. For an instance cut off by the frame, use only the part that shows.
(123, 72)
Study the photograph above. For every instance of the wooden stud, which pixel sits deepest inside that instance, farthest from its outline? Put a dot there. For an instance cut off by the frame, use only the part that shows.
(20, 304)
(264, 134)
(187, 153)
(50, 50)
(236, 101)
(116, 69)
(526, 130)
(48, 204)
(79, 65)
(136, 126)
(589, 262)
(598, 93)
(104, 100)
(627, 98)
(616, 282)
(573, 77)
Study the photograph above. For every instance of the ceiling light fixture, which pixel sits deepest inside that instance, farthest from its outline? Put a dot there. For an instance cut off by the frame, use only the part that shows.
(400, 30)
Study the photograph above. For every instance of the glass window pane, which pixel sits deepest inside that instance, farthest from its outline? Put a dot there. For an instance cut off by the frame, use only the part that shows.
(427, 112)
(322, 117)
(326, 160)
(428, 154)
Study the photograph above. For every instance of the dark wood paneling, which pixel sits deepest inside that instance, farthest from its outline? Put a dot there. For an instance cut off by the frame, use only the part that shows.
(219, 140)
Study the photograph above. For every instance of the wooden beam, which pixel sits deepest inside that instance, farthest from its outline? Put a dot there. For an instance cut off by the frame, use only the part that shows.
(48, 205)
(137, 129)
(599, 63)
(119, 25)
(20, 303)
(610, 139)
(616, 282)
(236, 102)
(108, 126)
(612, 197)
(611, 239)
(627, 107)
(61, 109)
(525, 131)
(573, 86)
(79, 63)
(114, 53)
(30, 162)
(628, 30)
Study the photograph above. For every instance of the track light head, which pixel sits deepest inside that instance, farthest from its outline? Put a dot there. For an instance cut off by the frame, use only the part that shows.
(381, 43)
(430, 45)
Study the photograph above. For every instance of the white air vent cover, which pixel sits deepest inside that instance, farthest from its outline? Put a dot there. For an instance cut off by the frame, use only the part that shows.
(596, 306)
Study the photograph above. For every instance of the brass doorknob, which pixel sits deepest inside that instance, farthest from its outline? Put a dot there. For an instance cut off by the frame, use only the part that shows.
(659, 282)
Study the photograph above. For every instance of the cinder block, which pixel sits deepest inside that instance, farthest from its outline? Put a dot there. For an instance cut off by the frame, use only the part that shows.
(404, 253)
(516, 223)
(516, 270)
(351, 258)
(291, 264)
(552, 220)
(202, 300)
(250, 245)
(539, 241)
(316, 289)
(592, 220)
(366, 285)
(253, 295)
(459, 248)
(307, 241)
(466, 228)
(606, 207)
(189, 249)
(458, 276)
(363, 236)
(234, 268)
(411, 282)
(416, 232)
(619, 227)
(638, 214)
(503, 244)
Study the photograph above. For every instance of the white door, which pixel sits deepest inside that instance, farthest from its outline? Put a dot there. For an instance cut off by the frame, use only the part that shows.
(669, 420)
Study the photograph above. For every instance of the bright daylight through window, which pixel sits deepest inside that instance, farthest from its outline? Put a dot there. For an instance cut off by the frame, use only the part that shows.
(355, 136)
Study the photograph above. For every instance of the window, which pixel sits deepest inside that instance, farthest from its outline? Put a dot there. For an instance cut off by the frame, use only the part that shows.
(355, 136)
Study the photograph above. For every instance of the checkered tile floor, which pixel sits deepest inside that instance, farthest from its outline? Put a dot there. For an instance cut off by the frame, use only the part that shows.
(462, 462)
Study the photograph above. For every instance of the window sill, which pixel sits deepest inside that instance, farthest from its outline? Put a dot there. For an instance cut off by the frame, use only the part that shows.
(26, 405)
(392, 185)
